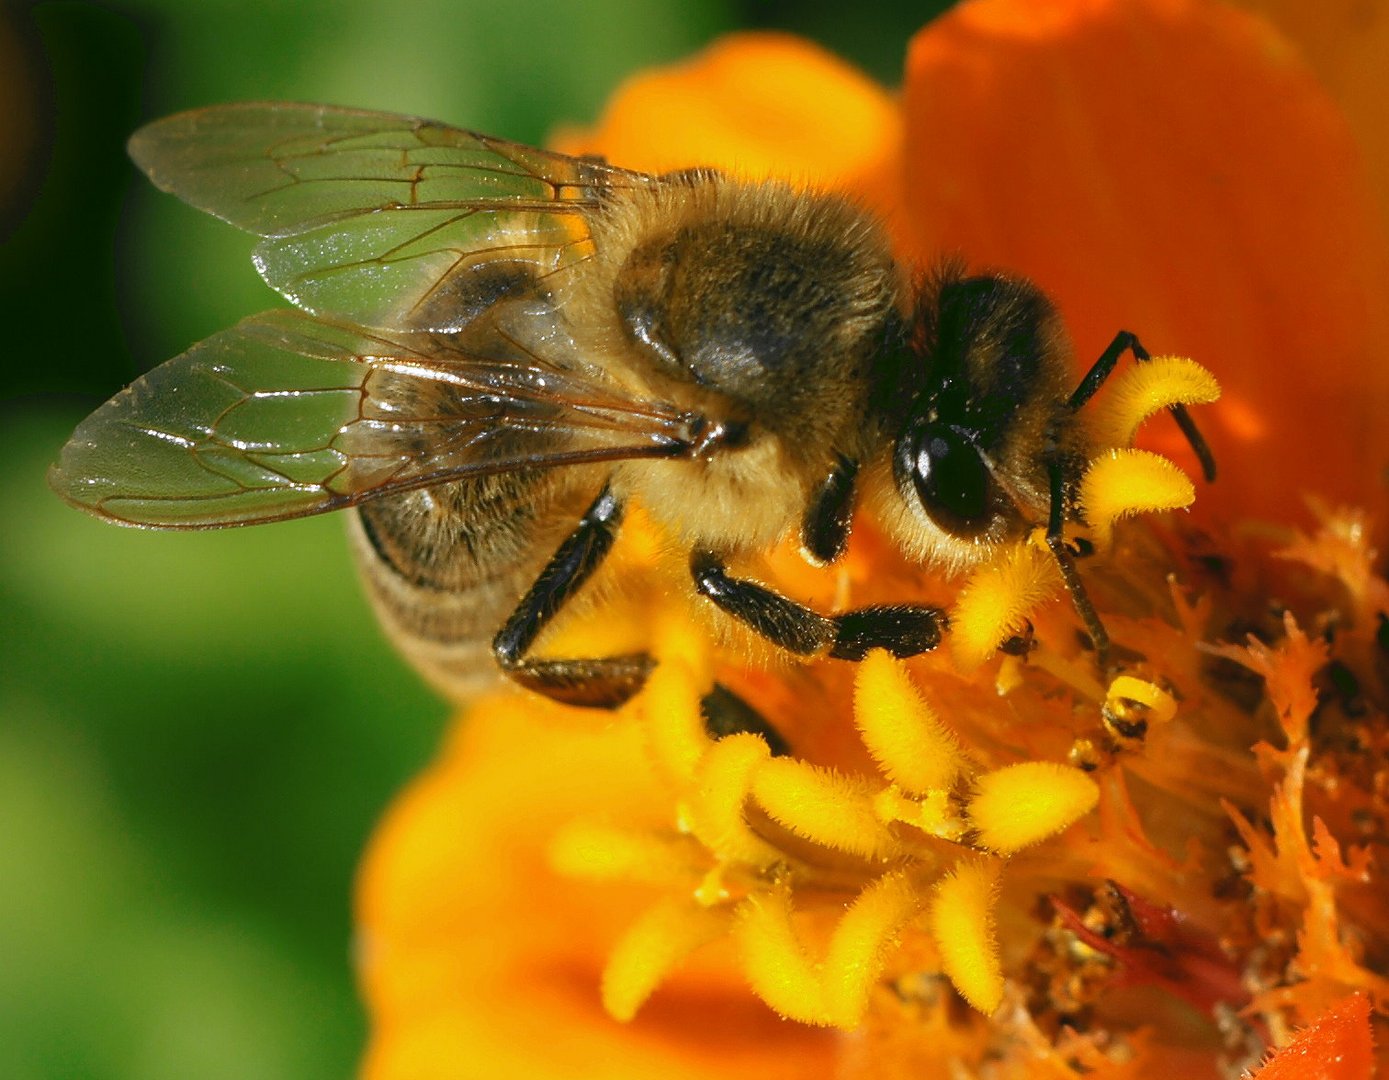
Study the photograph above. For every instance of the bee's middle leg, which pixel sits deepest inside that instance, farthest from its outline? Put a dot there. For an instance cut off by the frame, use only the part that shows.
(602, 683)
(901, 629)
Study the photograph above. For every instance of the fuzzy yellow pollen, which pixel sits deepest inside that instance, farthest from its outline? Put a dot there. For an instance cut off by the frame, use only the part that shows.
(823, 806)
(961, 921)
(652, 948)
(1019, 805)
(832, 991)
(1144, 389)
(1120, 483)
(602, 852)
(1126, 691)
(995, 602)
(901, 730)
(675, 735)
(860, 945)
(776, 964)
(715, 809)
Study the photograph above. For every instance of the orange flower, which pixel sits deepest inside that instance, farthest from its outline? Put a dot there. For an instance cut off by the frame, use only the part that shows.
(568, 895)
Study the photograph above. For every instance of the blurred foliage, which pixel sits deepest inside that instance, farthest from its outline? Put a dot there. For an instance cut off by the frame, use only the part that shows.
(197, 731)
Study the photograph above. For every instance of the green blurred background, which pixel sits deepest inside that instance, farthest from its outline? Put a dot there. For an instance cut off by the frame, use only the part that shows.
(198, 731)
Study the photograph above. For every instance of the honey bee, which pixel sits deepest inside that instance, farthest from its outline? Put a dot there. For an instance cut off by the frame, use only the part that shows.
(498, 350)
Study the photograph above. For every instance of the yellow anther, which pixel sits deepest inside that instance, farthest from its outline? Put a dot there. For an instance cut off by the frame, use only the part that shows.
(653, 947)
(1144, 389)
(995, 602)
(774, 961)
(1158, 706)
(1019, 805)
(833, 991)
(859, 945)
(824, 807)
(1121, 483)
(723, 781)
(901, 730)
(961, 921)
(604, 852)
(675, 735)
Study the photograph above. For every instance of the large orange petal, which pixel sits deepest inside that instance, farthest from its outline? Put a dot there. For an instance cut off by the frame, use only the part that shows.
(1346, 42)
(1170, 167)
(476, 960)
(757, 105)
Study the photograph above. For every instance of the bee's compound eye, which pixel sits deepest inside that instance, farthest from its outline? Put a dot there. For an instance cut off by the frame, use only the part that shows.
(951, 478)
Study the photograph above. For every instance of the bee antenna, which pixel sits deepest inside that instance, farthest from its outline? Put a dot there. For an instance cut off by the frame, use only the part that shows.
(1104, 367)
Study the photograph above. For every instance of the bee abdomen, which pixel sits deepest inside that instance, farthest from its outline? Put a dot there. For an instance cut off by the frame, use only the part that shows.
(444, 567)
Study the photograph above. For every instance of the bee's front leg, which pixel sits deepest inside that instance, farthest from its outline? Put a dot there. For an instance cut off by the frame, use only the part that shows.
(601, 683)
(1101, 369)
(1065, 562)
(825, 529)
(901, 629)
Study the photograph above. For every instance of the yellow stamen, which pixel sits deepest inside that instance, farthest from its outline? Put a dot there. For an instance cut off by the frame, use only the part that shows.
(995, 602)
(653, 947)
(1121, 483)
(860, 943)
(961, 921)
(715, 810)
(669, 708)
(823, 806)
(1019, 805)
(1126, 691)
(1144, 389)
(774, 960)
(604, 852)
(834, 991)
(901, 730)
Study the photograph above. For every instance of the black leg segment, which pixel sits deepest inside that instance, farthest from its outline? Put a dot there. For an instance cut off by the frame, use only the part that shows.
(782, 621)
(825, 530)
(1065, 561)
(902, 629)
(603, 683)
(725, 713)
(1104, 367)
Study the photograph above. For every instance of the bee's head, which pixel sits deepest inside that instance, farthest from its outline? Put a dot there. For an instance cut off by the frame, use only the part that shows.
(976, 414)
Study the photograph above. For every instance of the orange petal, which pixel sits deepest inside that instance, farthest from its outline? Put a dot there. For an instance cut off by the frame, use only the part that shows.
(758, 105)
(476, 960)
(1170, 167)
(1346, 42)
(1335, 1046)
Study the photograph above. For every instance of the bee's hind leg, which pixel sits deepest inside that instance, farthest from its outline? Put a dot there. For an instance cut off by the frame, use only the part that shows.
(901, 629)
(602, 683)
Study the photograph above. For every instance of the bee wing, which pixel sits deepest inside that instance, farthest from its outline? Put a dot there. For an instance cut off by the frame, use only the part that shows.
(382, 220)
(283, 416)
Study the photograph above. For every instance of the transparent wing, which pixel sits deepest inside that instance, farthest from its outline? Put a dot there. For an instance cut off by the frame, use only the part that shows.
(284, 415)
(383, 220)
